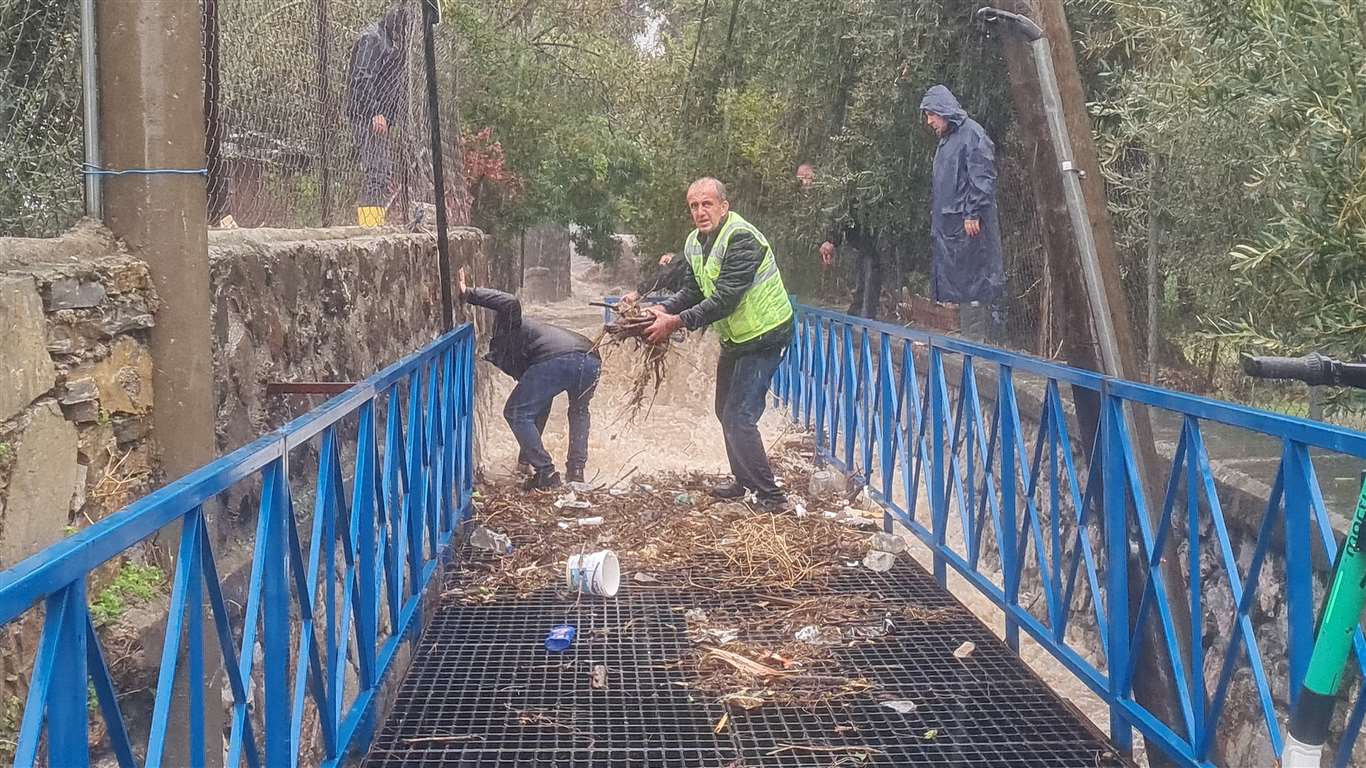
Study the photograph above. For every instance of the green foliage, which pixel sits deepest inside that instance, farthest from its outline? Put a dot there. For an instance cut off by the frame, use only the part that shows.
(134, 584)
(1256, 114)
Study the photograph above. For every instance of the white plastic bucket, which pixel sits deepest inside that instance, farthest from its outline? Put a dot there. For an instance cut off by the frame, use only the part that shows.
(597, 573)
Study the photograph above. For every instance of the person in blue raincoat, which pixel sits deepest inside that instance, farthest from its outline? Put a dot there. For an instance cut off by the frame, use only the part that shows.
(965, 229)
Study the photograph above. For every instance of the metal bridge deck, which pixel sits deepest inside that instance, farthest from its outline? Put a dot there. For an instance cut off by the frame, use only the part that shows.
(483, 691)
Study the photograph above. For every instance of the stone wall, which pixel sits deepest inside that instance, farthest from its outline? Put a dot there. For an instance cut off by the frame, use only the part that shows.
(76, 394)
(318, 305)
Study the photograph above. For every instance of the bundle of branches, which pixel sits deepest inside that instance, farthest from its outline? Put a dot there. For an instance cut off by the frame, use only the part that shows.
(780, 551)
(647, 374)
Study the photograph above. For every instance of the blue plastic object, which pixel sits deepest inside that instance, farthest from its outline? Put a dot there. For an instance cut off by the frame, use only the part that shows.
(560, 638)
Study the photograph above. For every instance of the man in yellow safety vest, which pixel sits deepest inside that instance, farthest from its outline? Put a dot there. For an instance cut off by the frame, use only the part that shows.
(733, 284)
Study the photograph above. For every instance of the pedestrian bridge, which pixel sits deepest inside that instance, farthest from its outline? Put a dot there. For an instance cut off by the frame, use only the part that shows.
(345, 653)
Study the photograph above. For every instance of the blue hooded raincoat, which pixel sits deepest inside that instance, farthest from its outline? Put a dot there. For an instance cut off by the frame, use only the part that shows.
(965, 269)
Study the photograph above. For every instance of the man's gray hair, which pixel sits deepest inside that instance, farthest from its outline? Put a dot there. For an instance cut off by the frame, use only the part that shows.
(716, 186)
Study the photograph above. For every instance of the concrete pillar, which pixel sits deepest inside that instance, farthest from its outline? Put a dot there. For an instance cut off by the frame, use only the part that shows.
(151, 117)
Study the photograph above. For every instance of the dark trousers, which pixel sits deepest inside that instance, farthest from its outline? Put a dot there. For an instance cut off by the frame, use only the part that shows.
(867, 279)
(528, 406)
(742, 385)
(376, 163)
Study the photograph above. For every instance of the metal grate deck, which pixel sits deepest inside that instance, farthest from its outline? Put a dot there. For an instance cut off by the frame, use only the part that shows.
(483, 691)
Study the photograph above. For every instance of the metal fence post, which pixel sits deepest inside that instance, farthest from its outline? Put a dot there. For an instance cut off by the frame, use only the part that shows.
(939, 510)
(326, 119)
(1006, 414)
(1116, 563)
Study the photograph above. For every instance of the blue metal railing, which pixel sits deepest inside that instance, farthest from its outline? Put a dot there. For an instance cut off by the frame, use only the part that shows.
(878, 399)
(394, 514)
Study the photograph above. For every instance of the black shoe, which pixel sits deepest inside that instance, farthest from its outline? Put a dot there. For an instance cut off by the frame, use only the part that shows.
(771, 504)
(542, 480)
(729, 491)
(573, 475)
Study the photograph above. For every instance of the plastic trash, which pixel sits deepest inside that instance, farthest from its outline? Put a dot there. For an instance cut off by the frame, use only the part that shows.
(880, 562)
(965, 650)
(560, 638)
(886, 542)
(825, 484)
(901, 707)
(600, 677)
(491, 541)
(578, 487)
(597, 573)
(570, 501)
(683, 499)
(809, 634)
(585, 522)
(695, 614)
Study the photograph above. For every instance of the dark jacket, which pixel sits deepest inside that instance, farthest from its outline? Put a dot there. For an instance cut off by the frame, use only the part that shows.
(376, 71)
(670, 278)
(519, 343)
(964, 187)
(739, 264)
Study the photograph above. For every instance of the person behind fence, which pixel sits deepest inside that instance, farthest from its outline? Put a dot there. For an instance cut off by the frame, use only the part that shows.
(847, 232)
(545, 360)
(965, 229)
(375, 82)
(733, 284)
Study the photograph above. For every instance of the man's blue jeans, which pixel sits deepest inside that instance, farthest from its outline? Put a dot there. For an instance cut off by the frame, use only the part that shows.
(528, 406)
(742, 385)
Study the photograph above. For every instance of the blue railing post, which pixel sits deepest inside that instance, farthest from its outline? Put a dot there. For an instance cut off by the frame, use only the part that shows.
(1010, 568)
(68, 720)
(1299, 574)
(938, 474)
(275, 627)
(849, 422)
(1117, 559)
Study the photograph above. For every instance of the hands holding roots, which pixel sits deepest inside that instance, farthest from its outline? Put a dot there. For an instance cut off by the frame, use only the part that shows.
(653, 333)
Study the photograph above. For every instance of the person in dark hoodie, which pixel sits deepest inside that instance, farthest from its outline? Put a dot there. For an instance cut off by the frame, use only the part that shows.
(545, 360)
(965, 230)
(375, 84)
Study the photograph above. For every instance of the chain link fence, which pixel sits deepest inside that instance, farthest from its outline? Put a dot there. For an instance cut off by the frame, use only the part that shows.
(41, 123)
(317, 114)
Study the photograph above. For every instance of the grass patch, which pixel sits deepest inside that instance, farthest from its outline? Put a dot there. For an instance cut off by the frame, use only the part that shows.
(133, 585)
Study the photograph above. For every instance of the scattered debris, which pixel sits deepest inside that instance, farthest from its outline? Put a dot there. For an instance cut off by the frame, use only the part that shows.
(560, 638)
(901, 707)
(810, 634)
(965, 650)
(578, 487)
(572, 501)
(721, 724)
(645, 578)
(886, 542)
(491, 541)
(589, 521)
(683, 499)
(826, 484)
(879, 561)
(741, 663)
(600, 677)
